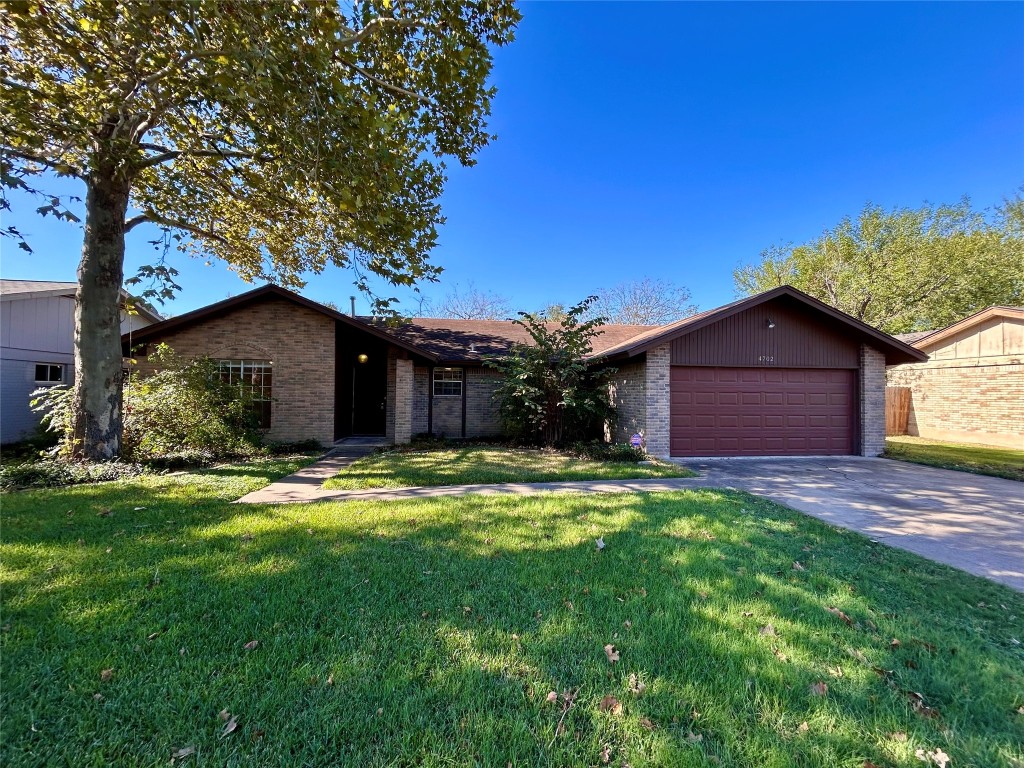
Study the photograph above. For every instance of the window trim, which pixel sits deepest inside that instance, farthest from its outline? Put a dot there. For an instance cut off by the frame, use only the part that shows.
(50, 366)
(458, 376)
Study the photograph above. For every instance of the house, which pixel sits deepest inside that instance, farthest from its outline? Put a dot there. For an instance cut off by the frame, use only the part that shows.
(37, 337)
(775, 374)
(971, 388)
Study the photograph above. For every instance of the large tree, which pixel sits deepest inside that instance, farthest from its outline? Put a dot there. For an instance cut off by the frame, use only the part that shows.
(905, 269)
(280, 136)
(644, 302)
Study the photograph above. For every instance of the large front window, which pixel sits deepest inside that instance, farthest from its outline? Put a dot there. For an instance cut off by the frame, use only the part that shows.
(254, 378)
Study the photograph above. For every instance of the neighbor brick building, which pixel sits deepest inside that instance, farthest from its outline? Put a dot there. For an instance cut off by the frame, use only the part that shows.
(971, 388)
(778, 373)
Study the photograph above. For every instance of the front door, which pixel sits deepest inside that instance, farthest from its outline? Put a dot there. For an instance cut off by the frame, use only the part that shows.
(369, 395)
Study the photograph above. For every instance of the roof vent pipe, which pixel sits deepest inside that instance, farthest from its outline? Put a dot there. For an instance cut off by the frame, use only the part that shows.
(353, 300)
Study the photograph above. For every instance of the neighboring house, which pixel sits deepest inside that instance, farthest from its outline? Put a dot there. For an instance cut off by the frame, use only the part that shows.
(37, 336)
(971, 389)
(775, 374)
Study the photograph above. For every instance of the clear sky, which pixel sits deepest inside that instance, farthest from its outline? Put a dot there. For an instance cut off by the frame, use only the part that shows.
(679, 140)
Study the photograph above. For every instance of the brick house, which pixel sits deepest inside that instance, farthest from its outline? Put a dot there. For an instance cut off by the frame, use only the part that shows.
(971, 388)
(778, 373)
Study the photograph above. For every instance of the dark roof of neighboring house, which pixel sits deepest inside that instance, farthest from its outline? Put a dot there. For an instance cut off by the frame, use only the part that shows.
(465, 341)
(468, 341)
(38, 289)
(896, 351)
(928, 338)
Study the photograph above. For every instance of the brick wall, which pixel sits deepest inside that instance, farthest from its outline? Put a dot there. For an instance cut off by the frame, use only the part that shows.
(420, 400)
(656, 393)
(297, 340)
(483, 418)
(970, 401)
(403, 400)
(389, 397)
(627, 392)
(872, 401)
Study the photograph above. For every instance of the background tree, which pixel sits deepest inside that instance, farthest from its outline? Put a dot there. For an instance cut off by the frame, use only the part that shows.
(551, 392)
(644, 302)
(905, 270)
(278, 136)
(552, 313)
(474, 304)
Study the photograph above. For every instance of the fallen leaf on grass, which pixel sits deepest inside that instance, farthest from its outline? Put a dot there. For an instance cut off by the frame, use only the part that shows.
(748, 614)
(797, 566)
(779, 654)
(97, 697)
(869, 764)
(898, 736)
(224, 715)
(247, 537)
(606, 755)
(153, 636)
(935, 757)
(918, 705)
(610, 704)
(611, 653)
(251, 645)
(840, 615)
(636, 685)
(894, 643)
(230, 726)
(803, 727)
(694, 738)
(647, 724)
(182, 753)
(258, 734)
(105, 512)
(106, 674)
(835, 671)
(768, 630)
(819, 688)
(600, 543)
(551, 698)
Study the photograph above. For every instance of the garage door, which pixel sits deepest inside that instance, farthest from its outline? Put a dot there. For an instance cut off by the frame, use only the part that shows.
(761, 411)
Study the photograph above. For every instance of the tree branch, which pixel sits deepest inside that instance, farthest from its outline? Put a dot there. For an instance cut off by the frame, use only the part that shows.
(389, 86)
(173, 224)
(170, 154)
(381, 21)
(66, 169)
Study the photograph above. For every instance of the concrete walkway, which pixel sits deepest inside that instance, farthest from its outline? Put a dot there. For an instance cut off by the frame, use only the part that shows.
(972, 522)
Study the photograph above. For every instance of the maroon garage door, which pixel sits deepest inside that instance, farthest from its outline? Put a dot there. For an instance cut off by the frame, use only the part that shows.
(762, 411)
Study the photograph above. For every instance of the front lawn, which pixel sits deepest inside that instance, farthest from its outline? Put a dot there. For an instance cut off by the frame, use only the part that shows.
(481, 464)
(982, 459)
(151, 618)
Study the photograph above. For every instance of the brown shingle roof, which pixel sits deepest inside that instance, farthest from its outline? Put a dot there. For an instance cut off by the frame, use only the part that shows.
(466, 341)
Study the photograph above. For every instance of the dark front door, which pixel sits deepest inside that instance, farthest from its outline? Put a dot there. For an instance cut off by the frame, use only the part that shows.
(369, 396)
(762, 411)
(361, 384)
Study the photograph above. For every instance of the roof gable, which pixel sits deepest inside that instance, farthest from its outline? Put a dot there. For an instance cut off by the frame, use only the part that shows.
(262, 294)
(895, 350)
(20, 290)
(930, 339)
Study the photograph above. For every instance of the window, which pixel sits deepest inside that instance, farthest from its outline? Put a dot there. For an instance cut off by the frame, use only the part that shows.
(447, 382)
(255, 379)
(48, 373)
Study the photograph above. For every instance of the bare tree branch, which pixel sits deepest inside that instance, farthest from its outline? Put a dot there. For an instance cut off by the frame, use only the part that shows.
(378, 23)
(389, 86)
(65, 168)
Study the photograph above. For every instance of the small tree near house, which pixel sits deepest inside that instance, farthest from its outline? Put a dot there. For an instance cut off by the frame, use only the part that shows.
(551, 391)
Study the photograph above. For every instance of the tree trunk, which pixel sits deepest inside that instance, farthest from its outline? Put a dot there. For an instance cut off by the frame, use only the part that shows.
(97, 401)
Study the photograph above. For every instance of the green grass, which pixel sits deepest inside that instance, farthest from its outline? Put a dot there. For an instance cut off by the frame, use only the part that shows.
(429, 632)
(981, 459)
(472, 465)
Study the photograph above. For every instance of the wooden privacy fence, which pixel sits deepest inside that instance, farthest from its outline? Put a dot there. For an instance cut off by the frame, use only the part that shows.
(897, 410)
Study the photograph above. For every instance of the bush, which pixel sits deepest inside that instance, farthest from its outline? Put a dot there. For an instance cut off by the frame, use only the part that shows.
(182, 415)
(616, 452)
(51, 473)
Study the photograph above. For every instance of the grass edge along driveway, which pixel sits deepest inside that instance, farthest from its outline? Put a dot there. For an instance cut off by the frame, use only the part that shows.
(980, 459)
(714, 628)
(472, 465)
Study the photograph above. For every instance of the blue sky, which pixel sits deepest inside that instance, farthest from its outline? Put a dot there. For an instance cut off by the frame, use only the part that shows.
(678, 141)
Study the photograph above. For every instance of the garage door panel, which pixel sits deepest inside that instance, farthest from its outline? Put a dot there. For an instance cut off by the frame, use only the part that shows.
(761, 411)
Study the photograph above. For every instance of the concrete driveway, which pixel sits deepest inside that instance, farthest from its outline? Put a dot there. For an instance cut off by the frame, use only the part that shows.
(972, 522)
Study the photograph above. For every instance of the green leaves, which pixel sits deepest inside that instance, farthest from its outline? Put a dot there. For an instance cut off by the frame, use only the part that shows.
(905, 269)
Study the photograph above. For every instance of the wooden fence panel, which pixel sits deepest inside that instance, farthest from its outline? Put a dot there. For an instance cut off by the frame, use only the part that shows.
(897, 410)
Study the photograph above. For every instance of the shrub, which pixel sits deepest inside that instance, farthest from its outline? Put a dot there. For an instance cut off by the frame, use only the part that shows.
(51, 473)
(616, 452)
(552, 392)
(183, 413)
